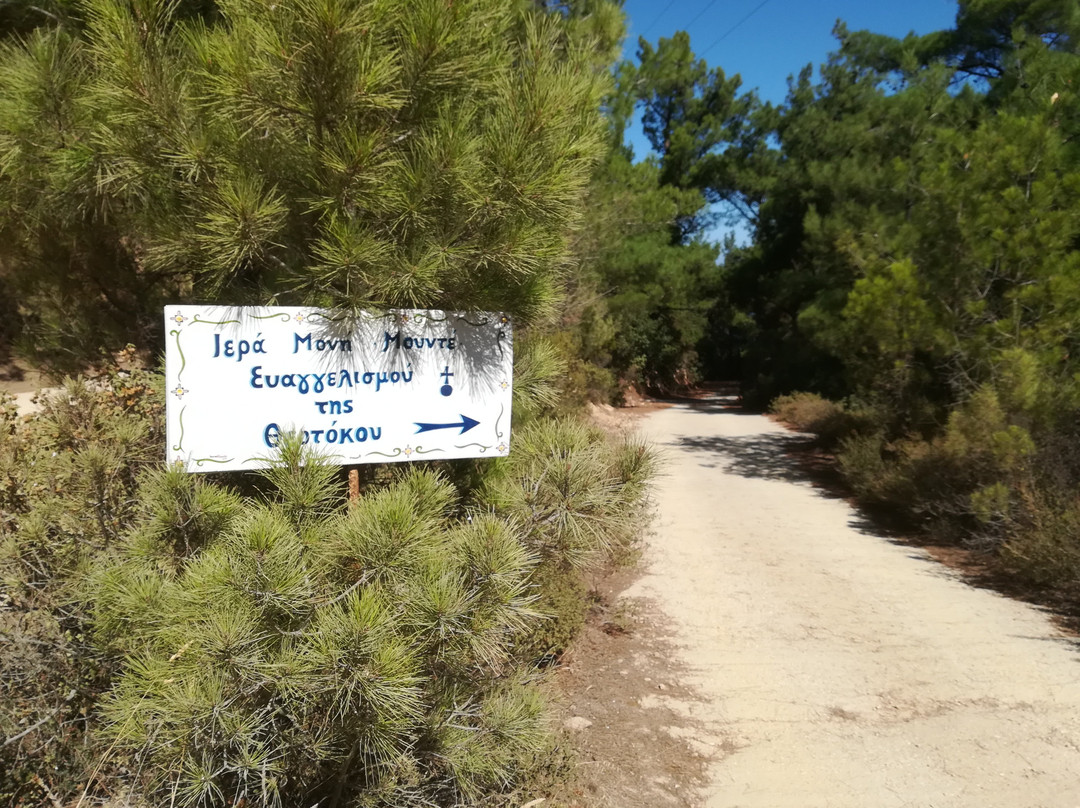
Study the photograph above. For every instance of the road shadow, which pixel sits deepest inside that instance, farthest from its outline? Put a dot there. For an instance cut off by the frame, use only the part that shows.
(798, 457)
(766, 457)
(707, 401)
(729, 406)
(785, 456)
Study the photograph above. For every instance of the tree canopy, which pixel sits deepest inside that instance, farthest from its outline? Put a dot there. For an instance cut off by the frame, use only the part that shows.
(915, 254)
(330, 152)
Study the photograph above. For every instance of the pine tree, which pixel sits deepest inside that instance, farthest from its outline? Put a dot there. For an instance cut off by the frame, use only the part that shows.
(651, 289)
(325, 152)
(278, 648)
(917, 253)
(304, 654)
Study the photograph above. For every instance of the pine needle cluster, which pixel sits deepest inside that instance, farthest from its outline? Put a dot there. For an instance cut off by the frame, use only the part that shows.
(348, 153)
(276, 646)
(307, 653)
(169, 638)
(581, 499)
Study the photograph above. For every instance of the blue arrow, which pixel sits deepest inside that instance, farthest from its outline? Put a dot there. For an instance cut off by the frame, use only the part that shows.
(466, 424)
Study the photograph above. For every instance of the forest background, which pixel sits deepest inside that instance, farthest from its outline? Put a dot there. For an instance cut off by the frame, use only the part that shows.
(909, 287)
(910, 292)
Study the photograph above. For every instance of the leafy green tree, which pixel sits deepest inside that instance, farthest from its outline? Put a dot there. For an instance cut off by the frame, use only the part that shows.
(698, 123)
(651, 289)
(987, 34)
(642, 302)
(915, 252)
(276, 647)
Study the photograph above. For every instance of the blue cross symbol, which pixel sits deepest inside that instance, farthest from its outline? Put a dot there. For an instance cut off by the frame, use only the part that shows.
(446, 389)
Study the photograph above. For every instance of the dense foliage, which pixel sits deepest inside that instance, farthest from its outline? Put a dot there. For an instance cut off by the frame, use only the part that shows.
(913, 212)
(204, 644)
(640, 304)
(650, 292)
(914, 272)
(329, 152)
(178, 639)
(915, 255)
(69, 481)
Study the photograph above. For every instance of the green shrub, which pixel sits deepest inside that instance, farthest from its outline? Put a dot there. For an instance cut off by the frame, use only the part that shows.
(829, 420)
(562, 598)
(580, 497)
(863, 465)
(307, 653)
(578, 493)
(958, 480)
(804, 410)
(198, 645)
(69, 489)
(1043, 540)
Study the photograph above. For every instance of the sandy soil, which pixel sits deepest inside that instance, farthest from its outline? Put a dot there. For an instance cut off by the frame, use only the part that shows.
(809, 661)
(629, 751)
(24, 383)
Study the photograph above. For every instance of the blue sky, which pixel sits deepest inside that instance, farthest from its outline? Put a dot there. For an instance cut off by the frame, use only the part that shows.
(765, 42)
(777, 38)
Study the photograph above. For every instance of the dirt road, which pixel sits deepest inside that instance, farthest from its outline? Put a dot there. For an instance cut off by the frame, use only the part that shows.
(833, 667)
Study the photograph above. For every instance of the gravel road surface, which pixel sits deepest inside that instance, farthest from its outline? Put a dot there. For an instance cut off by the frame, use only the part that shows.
(832, 666)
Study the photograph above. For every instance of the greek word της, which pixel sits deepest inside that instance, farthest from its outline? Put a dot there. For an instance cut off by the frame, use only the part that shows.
(417, 343)
(238, 348)
(321, 344)
(305, 383)
(334, 435)
(335, 407)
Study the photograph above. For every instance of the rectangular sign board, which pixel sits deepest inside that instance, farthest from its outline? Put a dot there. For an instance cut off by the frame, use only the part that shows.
(361, 388)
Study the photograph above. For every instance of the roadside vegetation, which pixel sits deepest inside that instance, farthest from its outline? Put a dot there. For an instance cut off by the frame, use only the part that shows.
(207, 640)
(906, 283)
(212, 640)
(916, 265)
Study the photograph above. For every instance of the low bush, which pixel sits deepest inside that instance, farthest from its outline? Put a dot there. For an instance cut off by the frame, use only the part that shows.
(69, 483)
(862, 463)
(805, 411)
(1042, 543)
(982, 480)
(309, 654)
(829, 420)
(207, 641)
(562, 599)
(961, 476)
(580, 497)
(1042, 525)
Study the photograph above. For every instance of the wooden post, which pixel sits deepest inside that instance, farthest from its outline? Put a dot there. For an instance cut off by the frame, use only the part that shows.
(354, 485)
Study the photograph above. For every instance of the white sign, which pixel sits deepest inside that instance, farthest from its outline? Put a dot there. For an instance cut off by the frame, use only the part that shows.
(367, 388)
